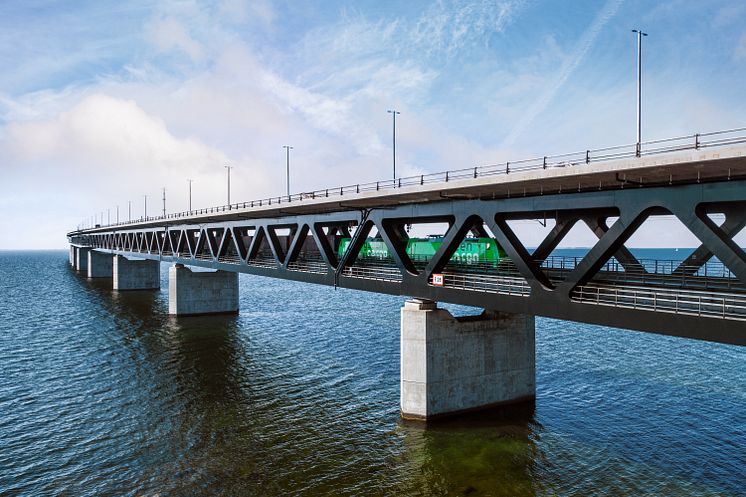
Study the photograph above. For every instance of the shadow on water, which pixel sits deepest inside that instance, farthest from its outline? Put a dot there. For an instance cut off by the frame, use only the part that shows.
(485, 453)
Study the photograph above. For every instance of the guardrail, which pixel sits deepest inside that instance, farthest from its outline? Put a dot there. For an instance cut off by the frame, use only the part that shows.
(689, 142)
(724, 305)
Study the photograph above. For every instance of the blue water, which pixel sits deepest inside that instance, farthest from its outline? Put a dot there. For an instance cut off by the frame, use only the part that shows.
(103, 394)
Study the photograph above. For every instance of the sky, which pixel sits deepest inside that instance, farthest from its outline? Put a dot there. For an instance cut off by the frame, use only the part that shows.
(104, 102)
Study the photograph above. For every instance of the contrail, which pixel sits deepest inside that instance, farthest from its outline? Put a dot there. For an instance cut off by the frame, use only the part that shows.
(585, 43)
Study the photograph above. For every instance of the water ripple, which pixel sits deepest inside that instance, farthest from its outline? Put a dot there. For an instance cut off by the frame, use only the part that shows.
(103, 394)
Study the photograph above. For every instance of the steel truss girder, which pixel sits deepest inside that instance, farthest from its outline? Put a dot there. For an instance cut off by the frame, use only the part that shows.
(632, 206)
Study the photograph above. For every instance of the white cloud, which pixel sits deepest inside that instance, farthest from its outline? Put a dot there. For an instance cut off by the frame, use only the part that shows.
(568, 67)
(168, 34)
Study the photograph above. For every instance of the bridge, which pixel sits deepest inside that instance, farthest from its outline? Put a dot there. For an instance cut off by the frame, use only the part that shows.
(358, 237)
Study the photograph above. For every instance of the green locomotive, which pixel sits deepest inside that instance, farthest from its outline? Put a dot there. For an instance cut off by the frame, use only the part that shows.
(470, 251)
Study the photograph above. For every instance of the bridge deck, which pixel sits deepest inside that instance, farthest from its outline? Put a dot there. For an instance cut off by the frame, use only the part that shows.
(721, 158)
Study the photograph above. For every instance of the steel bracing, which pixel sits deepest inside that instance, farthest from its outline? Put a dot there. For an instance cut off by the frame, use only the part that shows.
(702, 297)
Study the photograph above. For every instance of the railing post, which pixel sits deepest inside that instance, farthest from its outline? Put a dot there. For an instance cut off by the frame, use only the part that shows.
(507, 168)
(377, 186)
(475, 172)
(446, 176)
(696, 141)
(638, 149)
(422, 179)
(587, 156)
(545, 162)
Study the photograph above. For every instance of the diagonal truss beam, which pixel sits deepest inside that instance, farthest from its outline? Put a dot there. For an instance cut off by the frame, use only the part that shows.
(735, 221)
(713, 238)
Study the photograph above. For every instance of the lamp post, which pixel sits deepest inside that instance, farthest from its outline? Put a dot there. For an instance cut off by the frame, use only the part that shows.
(287, 148)
(117, 214)
(393, 114)
(640, 34)
(164, 201)
(146, 206)
(229, 183)
(129, 210)
(190, 194)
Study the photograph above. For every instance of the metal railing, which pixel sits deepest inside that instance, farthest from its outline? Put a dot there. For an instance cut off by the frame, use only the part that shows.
(724, 305)
(490, 283)
(689, 142)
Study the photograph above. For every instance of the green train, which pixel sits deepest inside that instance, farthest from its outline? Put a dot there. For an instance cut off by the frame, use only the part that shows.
(470, 251)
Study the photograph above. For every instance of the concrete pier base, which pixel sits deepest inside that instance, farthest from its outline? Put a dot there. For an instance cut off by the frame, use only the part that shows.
(194, 293)
(100, 265)
(136, 274)
(81, 258)
(72, 256)
(452, 365)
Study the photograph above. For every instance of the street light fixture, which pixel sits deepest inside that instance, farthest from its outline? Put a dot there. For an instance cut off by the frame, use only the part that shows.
(190, 194)
(229, 183)
(287, 148)
(393, 114)
(640, 34)
(146, 206)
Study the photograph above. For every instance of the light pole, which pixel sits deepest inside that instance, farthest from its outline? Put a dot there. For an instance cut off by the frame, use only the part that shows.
(640, 34)
(393, 114)
(287, 148)
(229, 183)
(164, 201)
(146, 206)
(108, 216)
(190, 194)
(129, 210)
(117, 214)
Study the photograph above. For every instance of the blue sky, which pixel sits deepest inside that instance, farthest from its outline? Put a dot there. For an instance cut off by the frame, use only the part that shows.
(104, 102)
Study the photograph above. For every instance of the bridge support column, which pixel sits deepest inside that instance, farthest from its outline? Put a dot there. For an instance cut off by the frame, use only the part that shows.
(100, 265)
(136, 274)
(451, 365)
(81, 258)
(193, 293)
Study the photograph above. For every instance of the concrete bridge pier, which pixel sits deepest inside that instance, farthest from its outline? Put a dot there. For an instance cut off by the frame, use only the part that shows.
(194, 293)
(452, 365)
(136, 274)
(72, 256)
(81, 258)
(100, 265)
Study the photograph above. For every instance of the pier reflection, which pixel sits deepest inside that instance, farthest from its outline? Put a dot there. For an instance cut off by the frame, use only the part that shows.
(489, 452)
